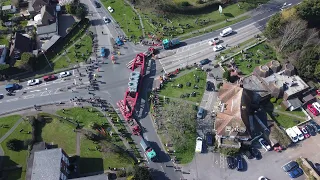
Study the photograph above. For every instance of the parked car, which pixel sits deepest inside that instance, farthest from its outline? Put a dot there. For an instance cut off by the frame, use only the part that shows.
(289, 166)
(110, 9)
(264, 144)
(33, 82)
(218, 47)
(106, 20)
(240, 163)
(204, 62)
(209, 139)
(312, 110)
(255, 153)
(231, 162)
(64, 74)
(311, 129)
(49, 77)
(316, 105)
(200, 113)
(214, 41)
(262, 178)
(12, 87)
(102, 52)
(1, 96)
(298, 132)
(248, 154)
(296, 172)
(293, 136)
(97, 4)
(209, 86)
(315, 125)
(305, 132)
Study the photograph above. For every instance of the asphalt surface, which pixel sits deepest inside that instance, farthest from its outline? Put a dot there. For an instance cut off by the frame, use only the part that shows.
(113, 82)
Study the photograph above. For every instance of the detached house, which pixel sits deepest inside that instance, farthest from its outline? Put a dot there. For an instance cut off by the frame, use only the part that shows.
(232, 118)
(35, 6)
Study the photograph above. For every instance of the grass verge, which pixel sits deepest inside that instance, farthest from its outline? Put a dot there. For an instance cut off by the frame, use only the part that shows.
(7, 122)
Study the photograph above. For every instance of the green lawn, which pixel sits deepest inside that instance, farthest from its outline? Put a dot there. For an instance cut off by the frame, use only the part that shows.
(171, 90)
(6, 2)
(7, 122)
(257, 55)
(83, 116)
(17, 158)
(285, 120)
(93, 160)
(60, 133)
(4, 40)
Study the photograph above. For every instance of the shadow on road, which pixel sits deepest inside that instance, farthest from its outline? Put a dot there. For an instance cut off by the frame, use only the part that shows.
(162, 156)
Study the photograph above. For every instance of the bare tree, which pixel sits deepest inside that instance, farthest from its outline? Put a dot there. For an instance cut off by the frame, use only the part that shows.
(292, 31)
(312, 37)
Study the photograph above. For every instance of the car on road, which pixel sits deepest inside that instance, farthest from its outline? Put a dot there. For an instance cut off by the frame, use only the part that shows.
(102, 52)
(218, 47)
(289, 166)
(49, 77)
(1, 96)
(305, 132)
(200, 113)
(240, 163)
(12, 87)
(209, 86)
(298, 132)
(226, 32)
(231, 162)
(33, 82)
(255, 153)
(264, 144)
(312, 110)
(204, 62)
(106, 20)
(296, 172)
(315, 125)
(64, 74)
(262, 178)
(310, 129)
(214, 41)
(97, 4)
(110, 9)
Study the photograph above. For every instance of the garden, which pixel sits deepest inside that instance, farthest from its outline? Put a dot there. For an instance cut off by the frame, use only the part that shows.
(189, 86)
(253, 57)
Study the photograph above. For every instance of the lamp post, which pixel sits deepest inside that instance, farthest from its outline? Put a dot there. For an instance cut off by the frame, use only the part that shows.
(46, 59)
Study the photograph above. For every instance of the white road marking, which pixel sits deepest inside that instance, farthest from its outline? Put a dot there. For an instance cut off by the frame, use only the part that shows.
(14, 99)
(35, 91)
(28, 96)
(57, 91)
(45, 93)
(75, 81)
(44, 84)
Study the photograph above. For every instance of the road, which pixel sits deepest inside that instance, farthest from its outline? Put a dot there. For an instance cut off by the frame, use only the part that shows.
(113, 82)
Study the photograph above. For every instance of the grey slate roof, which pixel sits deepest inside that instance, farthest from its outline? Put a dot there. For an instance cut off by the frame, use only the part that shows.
(47, 14)
(49, 43)
(52, 28)
(47, 164)
(96, 177)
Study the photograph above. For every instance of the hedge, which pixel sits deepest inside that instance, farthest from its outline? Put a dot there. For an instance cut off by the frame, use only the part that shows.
(172, 8)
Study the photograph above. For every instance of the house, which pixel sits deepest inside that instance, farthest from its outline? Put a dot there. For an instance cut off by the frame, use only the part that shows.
(47, 16)
(35, 6)
(232, 120)
(46, 22)
(50, 164)
(20, 44)
(3, 54)
(9, 9)
(280, 82)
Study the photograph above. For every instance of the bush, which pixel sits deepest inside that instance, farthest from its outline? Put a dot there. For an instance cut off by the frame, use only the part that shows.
(185, 4)
(273, 100)
(15, 145)
(121, 173)
(279, 101)
(226, 75)
(229, 151)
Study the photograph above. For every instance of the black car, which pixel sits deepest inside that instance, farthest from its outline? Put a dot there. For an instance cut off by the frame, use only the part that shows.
(315, 125)
(311, 130)
(289, 166)
(97, 4)
(231, 162)
(240, 163)
(248, 154)
(255, 153)
(209, 139)
(208, 86)
(204, 62)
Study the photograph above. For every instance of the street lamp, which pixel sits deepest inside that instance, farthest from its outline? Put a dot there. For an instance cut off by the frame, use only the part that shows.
(125, 16)
(47, 59)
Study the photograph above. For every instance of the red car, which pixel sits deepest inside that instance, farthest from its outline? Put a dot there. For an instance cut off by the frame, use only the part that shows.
(305, 132)
(49, 78)
(313, 110)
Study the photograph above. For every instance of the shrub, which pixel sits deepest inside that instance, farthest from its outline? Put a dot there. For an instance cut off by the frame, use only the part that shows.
(279, 101)
(121, 173)
(229, 151)
(185, 4)
(15, 145)
(226, 75)
(273, 100)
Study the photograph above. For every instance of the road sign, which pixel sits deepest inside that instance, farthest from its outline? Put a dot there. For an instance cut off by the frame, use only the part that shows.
(220, 9)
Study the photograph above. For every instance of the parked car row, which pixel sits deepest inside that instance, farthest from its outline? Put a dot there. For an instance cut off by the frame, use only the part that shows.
(298, 134)
(235, 162)
(314, 108)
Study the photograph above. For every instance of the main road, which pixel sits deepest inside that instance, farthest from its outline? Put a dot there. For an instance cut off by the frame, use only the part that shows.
(113, 82)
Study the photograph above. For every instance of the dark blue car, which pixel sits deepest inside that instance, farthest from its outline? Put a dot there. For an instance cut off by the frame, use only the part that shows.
(12, 87)
(209, 139)
(295, 172)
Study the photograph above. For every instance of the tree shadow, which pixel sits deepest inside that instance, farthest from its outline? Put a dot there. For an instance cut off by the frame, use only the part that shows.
(228, 15)
(93, 166)
(10, 169)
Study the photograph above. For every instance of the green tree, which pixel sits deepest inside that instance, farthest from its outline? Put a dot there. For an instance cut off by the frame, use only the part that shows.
(81, 11)
(307, 63)
(226, 75)
(273, 27)
(309, 10)
(26, 61)
(4, 66)
(141, 173)
(70, 8)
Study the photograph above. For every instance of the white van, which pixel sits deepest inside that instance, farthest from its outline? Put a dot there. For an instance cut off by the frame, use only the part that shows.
(298, 132)
(316, 105)
(226, 32)
(293, 136)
